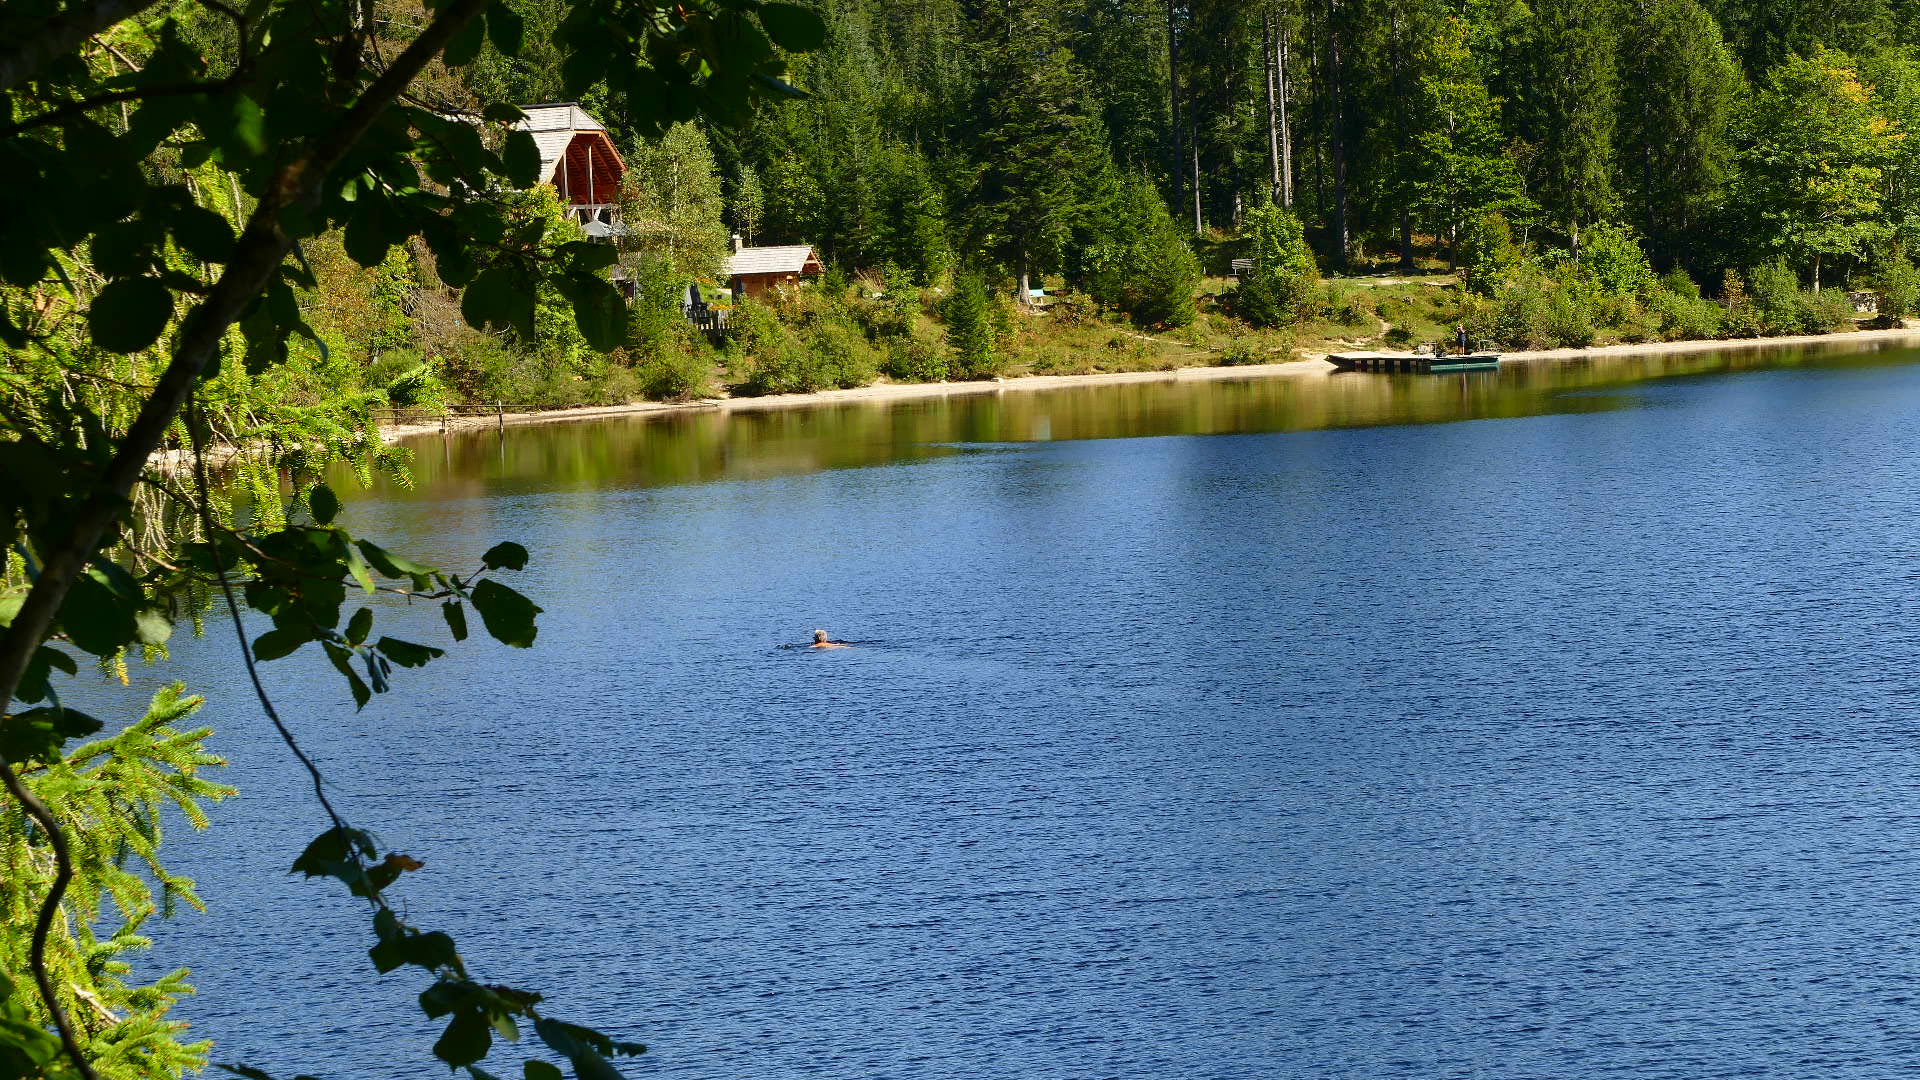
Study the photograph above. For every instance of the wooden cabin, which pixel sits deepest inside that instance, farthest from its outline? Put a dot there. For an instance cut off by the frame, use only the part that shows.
(578, 159)
(755, 271)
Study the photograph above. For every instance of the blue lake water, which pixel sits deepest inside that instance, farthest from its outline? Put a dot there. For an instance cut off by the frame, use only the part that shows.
(1301, 734)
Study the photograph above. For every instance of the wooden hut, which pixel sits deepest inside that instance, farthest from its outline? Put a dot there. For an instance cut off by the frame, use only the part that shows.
(753, 271)
(579, 160)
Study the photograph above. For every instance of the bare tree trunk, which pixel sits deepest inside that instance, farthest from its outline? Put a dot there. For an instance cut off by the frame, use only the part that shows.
(1269, 54)
(1336, 136)
(1286, 131)
(1193, 140)
(1173, 96)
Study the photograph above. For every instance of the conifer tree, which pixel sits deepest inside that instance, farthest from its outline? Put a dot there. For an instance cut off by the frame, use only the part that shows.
(1681, 87)
(109, 795)
(1572, 102)
(1461, 166)
(1040, 152)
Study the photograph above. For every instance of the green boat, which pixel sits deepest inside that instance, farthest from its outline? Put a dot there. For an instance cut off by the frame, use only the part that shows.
(1431, 364)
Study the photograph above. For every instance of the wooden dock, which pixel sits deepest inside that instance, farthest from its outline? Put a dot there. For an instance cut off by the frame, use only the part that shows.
(1414, 362)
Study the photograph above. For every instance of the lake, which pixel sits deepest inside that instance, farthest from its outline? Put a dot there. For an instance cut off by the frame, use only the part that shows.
(1560, 722)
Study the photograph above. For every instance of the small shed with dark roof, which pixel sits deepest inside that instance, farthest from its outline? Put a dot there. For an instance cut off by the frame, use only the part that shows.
(754, 271)
(577, 157)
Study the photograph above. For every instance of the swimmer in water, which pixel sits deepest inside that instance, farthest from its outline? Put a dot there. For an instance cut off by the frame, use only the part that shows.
(820, 642)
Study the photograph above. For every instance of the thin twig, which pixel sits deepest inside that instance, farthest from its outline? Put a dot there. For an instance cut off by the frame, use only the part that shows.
(239, 629)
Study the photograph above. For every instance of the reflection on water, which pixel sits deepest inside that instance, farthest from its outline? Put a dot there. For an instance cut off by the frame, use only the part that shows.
(1580, 746)
(716, 444)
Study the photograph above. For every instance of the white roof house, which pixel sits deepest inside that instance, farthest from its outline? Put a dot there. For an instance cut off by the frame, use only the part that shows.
(577, 157)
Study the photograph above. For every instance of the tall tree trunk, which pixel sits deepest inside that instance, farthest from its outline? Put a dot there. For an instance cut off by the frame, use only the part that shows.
(1269, 54)
(1336, 140)
(1286, 131)
(1816, 273)
(1193, 141)
(1173, 96)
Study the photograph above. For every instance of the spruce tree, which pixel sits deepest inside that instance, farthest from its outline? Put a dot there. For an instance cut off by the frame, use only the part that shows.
(1572, 101)
(109, 795)
(1681, 87)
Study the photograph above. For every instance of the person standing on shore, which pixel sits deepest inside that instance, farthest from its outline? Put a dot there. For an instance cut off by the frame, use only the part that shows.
(1460, 338)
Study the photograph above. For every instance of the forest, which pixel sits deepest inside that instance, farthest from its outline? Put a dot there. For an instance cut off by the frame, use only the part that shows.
(1619, 170)
(1592, 171)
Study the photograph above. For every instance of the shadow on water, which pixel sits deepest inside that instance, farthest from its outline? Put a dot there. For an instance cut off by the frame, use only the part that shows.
(707, 445)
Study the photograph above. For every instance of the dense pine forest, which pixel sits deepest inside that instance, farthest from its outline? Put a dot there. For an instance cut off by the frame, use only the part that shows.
(1591, 167)
(1561, 173)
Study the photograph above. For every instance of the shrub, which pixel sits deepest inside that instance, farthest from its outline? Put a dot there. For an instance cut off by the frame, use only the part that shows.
(838, 355)
(1144, 266)
(1280, 290)
(1074, 309)
(918, 357)
(1682, 314)
(1613, 256)
(1784, 309)
(1898, 283)
(1487, 253)
(970, 317)
(1347, 304)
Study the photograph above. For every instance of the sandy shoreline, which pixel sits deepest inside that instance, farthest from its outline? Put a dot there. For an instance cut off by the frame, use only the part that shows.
(1313, 367)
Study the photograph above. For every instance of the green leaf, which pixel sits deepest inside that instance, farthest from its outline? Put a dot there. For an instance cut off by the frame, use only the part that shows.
(357, 566)
(406, 653)
(129, 314)
(466, 1039)
(358, 626)
(508, 615)
(343, 663)
(505, 554)
(456, 617)
(202, 233)
(464, 49)
(507, 29)
(152, 627)
(96, 618)
(542, 1070)
(502, 113)
(246, 123)
(367, 238)
(38, 734)
(277, 643)
(247, 1071)
(324, 504)
(793, 27)
(587, 255)
(331, 850)
(599, 312)
(522, 158)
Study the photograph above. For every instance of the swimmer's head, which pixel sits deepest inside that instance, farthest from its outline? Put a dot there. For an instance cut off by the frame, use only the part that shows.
(819, 635)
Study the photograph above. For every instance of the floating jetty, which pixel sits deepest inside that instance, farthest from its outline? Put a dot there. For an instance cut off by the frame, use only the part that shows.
(1425, 363)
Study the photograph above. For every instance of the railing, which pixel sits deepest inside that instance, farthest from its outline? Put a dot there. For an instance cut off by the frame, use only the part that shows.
(715, 321)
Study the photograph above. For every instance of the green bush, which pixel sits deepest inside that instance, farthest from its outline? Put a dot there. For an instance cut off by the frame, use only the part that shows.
(838, 355)
(1280, 290)
(1349, 305)
(1783, 308)
(1682, 313)
(917, 357)
(1897, 281)
(1487, 253)
(970, 317)
(1144, 265)
(1613, 256)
